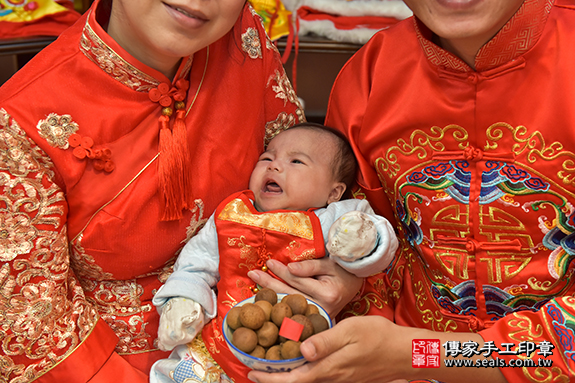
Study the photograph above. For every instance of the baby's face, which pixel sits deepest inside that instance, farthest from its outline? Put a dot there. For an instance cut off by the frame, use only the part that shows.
(295, 172)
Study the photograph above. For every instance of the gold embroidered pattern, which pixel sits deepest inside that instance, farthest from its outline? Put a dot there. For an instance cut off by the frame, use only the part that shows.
(434, 319)
(114, 65)
(197, 221)
(533, 146)
(251, 43)
(283, 88)
(437, 55)
(293, 223)
(294, 247)
(516, 37)
(418, 142)
(281, 123)
(247, 252)
(84, 265)
(204, 365)
(120, 306)
(43, 312)
(57, 129)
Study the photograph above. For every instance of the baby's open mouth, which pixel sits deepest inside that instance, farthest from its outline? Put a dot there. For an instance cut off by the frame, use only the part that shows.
(272, 187)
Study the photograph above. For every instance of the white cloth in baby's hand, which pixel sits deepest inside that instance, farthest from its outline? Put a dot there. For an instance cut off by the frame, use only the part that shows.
(352, 236)
(180, 321)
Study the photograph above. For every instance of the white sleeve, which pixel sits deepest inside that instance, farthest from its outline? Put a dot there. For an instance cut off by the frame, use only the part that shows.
(196, 272)
(387, 244)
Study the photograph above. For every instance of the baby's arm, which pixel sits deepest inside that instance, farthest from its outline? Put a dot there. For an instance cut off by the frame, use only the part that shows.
(356, 238)
(187, 300)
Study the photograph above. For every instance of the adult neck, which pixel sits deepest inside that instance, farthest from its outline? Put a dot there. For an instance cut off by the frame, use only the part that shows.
(465, 48)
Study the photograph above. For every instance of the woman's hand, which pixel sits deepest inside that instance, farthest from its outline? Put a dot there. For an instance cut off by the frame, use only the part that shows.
(358, 349)
(373, 349)
(321, 280)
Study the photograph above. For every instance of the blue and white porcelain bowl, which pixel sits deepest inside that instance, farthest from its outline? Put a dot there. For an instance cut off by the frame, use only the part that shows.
(267, 365)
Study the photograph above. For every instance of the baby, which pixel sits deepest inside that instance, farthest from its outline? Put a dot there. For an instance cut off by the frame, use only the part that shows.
(291, 212)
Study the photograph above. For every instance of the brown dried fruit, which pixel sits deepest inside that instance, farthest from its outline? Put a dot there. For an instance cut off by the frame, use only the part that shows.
(273, 353)
(245, 339)
(252, 316)
(311, 309)
(267, 294)
(307, 326)
(279, 312)
(290, 350)
(319, 323)
(266, 306)
(296, 302)
(268, 334)
(259, 352)
(234, 317)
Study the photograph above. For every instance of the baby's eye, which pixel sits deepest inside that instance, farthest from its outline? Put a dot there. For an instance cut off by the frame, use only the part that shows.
(295, 161)
(265, 159)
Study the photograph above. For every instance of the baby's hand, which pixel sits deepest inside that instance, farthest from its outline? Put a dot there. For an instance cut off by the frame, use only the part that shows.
(352, 236)
(180, 321)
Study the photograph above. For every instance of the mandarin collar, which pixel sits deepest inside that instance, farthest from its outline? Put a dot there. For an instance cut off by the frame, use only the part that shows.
(516, 37)
(105, 52)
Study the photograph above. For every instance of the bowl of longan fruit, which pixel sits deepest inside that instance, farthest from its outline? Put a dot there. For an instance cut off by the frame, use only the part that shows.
(265, 331)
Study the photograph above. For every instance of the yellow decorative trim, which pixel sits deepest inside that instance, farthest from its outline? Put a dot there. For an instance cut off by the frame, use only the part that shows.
(293, 223)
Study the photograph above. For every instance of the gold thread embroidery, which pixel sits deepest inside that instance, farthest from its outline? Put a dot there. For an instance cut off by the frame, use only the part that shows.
(113, 64)
(418, 141)
(304, 255)
(57, 129)
(251, 43)
(45, 315)
(534, 146)
(293, 223)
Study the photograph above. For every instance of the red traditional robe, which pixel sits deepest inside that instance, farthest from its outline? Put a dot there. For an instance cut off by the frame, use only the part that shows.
(476, 166)
(246, 240)
(82, 245)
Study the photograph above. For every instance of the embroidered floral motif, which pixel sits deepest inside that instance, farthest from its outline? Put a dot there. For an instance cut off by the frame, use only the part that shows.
(281, 123)
(84, 265)
(283, 88)
(101, 54)
(57, 129)
(120, 305)
(16, 235)
(46, 315)
(197, 221)
(251, 43)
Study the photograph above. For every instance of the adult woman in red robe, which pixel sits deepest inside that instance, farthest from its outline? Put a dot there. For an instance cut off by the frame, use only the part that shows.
(116, 143)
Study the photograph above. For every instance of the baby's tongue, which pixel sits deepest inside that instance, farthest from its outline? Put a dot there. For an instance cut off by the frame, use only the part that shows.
(274, 188)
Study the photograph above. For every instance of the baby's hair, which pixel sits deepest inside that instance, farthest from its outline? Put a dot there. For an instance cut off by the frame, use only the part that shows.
(345, 163)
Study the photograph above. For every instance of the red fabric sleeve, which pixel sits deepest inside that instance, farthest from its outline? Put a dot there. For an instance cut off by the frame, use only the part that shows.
(50, 331)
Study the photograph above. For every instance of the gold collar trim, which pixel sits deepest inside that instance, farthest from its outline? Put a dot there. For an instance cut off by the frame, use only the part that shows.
(516, 37)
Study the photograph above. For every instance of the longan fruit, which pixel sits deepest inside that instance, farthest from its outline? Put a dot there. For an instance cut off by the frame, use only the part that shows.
(319, 323)
(279, 312)
(296, 302)
(245, 339)
(311, 309)
(267, 307)
(234, 317)
(259, 352)
(252, 316)
(273, 353)
(307, 326)
(290, 350)
(266, 294)
(268, 334)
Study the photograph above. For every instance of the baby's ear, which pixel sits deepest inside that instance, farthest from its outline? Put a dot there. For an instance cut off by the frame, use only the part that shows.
(336, 193)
